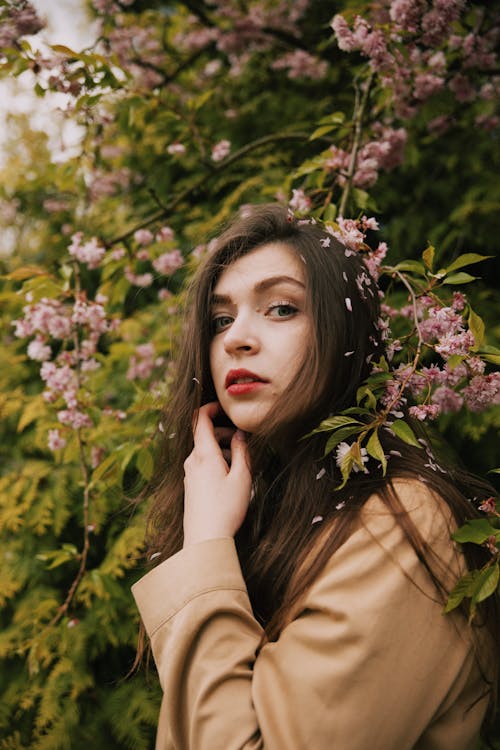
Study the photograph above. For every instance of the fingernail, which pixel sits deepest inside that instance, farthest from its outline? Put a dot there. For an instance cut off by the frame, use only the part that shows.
(240, 435)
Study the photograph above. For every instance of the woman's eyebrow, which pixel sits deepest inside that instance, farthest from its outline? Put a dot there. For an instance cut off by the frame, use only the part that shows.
(261, 286)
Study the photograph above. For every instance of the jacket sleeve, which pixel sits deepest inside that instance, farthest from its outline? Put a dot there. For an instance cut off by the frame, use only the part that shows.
(368, 660)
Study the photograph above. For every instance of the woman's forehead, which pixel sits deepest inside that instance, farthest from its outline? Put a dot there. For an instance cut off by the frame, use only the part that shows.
(274, 260)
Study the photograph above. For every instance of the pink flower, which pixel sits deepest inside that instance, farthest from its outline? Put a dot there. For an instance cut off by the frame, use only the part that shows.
(118, 253)
(220, 150)
(406, 14)
(462, 88)
(91, 253)
(450, 344)
(301, 64)
(375, 258)
(140, 280)
(345, 37)
(427, 84)
(476, 365)
(58, 379)
(143, 237)
(299, 201)
(459, 301)
(176, 149)
(424, 411)
(483, 391)
(74, 418)
(447, 400)
(55, 441)
(168, 263)
(348, 233)
(143, 362)
(38, 350)
(489, 505)
(165, 234)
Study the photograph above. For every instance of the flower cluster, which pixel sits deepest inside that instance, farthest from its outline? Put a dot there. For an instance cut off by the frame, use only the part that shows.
(91, 252)
(439, 325)
(435, 57)
(301, 64)
(143, 362)
(73, 330)
(17, 21)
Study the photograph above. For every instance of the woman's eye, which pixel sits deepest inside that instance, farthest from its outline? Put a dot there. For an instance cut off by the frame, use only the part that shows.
(221, 322)
(283, 310)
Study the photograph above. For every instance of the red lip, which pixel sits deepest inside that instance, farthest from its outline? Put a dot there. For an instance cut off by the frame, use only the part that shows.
(234, 375)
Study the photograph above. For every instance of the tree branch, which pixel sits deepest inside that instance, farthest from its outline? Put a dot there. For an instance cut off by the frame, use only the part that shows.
(359, 111)
(215, 169)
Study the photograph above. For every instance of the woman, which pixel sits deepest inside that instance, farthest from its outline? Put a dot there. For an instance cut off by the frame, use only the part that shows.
(287, 613)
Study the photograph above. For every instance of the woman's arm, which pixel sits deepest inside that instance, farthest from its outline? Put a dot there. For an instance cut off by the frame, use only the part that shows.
(368, 661)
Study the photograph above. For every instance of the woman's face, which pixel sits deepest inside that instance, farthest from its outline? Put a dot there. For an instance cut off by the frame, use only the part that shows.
(260, 332)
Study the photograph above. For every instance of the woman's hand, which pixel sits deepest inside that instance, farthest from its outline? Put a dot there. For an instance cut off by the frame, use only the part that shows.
(216, 492)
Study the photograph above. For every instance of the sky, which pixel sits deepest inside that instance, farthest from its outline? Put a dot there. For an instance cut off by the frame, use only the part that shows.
(68, 24)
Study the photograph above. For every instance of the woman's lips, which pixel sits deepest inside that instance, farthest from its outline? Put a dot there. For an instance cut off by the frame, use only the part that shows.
(238, 389)
(239, 382)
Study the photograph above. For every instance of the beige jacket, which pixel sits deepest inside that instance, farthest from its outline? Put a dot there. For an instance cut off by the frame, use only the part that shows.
(369, 662)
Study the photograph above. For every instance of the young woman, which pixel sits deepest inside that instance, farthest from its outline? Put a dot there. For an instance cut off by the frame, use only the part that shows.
(287, 614)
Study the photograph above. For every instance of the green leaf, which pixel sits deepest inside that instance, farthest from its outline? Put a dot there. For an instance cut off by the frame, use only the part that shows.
(477, 531)
(364, 392)
(322, 130)
(459, 278)
(476, 326)
(35, 408)
(466, 260)
(361, 197)
(428, 256)
(336, 118)
(455, 360)
(330, 212)
(415, 266)
(333, 423)
(64, 50)
(493, 358)
(26, 272)
(104, 467)
(404, 432)
(375, 450)
(494, 471)
(490, 354)
(338, 437)
(145, 463)
(462, 588)
(486, 583)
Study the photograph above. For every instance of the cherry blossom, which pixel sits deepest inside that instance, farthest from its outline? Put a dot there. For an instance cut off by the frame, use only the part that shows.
(220, 150)
(168, 263)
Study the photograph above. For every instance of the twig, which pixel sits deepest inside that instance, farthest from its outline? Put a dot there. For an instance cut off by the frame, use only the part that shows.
(215, 168)
(359, 112)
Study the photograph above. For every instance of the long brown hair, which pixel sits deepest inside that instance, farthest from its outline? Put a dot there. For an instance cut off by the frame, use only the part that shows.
(277, 536)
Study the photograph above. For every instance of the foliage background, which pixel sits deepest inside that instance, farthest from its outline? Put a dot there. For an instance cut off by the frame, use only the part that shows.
(189, 110)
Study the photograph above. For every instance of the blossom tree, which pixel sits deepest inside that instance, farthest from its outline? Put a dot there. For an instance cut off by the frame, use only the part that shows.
(379, 120)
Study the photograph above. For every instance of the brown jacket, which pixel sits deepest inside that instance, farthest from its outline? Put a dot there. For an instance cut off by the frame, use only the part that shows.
(369, 662)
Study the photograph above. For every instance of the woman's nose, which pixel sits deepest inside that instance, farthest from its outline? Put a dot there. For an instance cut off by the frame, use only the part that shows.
(241, 336)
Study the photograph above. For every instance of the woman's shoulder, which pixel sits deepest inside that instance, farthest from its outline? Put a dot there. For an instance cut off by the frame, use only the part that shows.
(410, 497)
(411, 525)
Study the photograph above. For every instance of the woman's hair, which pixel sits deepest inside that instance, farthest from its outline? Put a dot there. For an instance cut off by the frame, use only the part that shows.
(277, 535)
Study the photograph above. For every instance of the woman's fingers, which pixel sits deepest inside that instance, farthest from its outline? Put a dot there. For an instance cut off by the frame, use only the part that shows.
(203, 427)
(240, 460)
